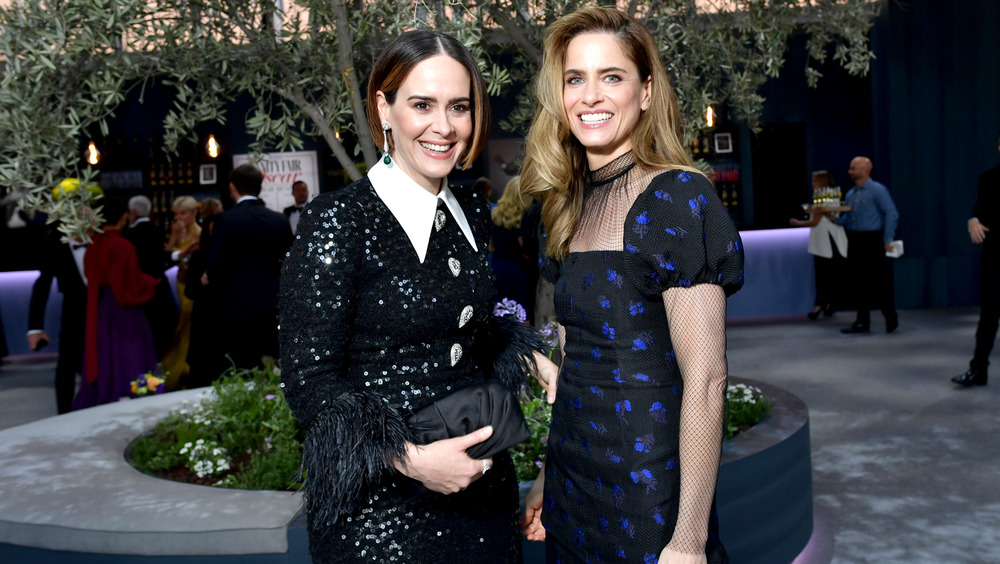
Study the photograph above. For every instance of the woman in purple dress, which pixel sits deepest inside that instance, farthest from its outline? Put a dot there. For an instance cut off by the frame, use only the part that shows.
(118, 345)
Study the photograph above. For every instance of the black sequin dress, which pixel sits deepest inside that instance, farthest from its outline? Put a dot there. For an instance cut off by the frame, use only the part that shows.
(613, 467)
(369, 333)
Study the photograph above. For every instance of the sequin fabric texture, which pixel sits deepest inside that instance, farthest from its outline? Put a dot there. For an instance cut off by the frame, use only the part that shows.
(362, 317)
(613, 465)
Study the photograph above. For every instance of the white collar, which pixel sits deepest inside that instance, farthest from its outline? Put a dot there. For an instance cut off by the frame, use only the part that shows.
(413, 206)
(138, 221)
(245, 198)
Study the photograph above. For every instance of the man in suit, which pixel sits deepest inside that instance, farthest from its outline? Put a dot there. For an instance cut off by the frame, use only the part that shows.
(249, 243)
(985, 214)
(161, 311)
(64, 262)
(300, 191)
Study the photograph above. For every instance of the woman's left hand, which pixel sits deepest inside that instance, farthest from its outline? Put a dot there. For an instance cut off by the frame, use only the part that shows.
(532, 522)
(547, 375)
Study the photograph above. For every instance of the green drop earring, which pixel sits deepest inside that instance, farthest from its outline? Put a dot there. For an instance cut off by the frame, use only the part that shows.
(385, 143)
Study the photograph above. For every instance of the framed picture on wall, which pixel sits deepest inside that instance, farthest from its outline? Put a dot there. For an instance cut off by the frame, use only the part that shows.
(723, 143)
(206, 174)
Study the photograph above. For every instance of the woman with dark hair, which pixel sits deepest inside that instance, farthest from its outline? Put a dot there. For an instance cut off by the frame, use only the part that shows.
(643, 255)
(118, 346)
(828, 245)
(386, 306)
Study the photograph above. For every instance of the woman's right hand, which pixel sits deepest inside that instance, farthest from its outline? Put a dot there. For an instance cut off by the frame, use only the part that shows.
(443, 466)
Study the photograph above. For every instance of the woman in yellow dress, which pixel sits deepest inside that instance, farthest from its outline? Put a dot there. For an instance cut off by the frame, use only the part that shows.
(184, 232)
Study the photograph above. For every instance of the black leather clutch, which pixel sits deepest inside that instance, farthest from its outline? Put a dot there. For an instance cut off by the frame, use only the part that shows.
(471, 408)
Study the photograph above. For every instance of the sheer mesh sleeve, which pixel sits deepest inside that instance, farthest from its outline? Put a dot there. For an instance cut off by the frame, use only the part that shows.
(681, 243)
(697, 317)
(679, 234)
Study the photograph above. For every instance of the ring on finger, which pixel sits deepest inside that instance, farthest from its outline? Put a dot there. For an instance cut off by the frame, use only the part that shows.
(486, 466)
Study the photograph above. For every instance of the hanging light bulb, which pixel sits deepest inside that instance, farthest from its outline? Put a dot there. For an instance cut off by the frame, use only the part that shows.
(93, 155)
(212, 146)
(710, 117)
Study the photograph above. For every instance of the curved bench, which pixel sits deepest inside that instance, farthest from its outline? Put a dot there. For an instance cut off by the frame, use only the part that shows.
(68, 495)
(65, 486)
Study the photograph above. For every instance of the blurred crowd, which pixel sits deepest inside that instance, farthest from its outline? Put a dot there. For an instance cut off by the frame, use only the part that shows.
(122, 315)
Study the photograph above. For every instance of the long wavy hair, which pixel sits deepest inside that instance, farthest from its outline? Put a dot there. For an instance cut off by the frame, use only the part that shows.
(555, 167)
(510, 208)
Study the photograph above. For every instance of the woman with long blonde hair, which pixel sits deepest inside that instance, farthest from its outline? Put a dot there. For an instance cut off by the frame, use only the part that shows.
(184, 232)
(643, 256)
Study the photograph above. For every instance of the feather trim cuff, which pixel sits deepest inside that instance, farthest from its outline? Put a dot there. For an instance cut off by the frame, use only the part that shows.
(348, 447)
(511, 346)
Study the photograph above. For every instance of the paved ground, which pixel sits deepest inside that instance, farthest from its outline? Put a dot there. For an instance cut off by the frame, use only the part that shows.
(905, 466)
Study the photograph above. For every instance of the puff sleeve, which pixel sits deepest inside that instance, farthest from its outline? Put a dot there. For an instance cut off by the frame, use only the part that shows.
(679, 234)
(352, 436)
(548, 268)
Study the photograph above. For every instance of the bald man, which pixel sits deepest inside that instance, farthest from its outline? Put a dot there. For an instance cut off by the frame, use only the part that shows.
(871, 228)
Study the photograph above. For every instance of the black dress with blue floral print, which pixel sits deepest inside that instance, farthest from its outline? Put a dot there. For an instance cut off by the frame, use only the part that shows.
(613, 469)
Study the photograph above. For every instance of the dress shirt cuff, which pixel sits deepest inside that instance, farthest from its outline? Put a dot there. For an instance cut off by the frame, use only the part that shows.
(35, 332)
(175, 256)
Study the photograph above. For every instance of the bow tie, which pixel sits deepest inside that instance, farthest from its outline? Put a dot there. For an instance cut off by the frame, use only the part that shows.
(75, 246)
(299, 208)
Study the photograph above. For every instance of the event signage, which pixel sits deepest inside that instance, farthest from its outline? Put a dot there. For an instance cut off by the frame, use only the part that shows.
(280, 171)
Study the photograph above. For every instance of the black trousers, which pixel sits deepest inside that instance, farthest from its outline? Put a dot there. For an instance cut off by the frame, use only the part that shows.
(989, 307)
(70, 363)
(829, 278)
(871, 274)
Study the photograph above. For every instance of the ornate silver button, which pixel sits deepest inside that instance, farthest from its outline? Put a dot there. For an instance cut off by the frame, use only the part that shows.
(465, 317)
(455, 266)
(439, 219)
(456, 353)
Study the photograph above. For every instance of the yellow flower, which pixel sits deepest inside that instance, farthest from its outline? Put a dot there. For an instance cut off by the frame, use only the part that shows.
(72, 184)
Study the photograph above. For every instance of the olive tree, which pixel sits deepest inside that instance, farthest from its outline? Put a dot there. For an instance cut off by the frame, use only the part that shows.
(67, 65)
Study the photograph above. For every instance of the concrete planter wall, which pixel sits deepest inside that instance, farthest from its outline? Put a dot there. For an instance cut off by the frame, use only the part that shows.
(67, 496)
(764, 494)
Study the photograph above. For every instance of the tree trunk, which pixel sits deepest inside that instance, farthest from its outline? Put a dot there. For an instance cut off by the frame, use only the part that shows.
(345, 59)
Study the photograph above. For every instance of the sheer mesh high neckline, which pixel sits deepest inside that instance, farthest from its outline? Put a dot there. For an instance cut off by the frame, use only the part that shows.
(618, 167)
(609, 195)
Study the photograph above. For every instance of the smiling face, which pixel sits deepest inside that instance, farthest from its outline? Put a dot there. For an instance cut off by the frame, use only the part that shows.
(603, 95)
(430, 119)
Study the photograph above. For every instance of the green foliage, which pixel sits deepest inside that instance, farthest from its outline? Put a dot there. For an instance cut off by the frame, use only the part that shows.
(247, 418)
(529, 455)
(67, 65)
(745, 407)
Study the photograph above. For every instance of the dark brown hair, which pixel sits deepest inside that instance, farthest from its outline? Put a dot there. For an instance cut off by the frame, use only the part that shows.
(247, 179)
(396, 62)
